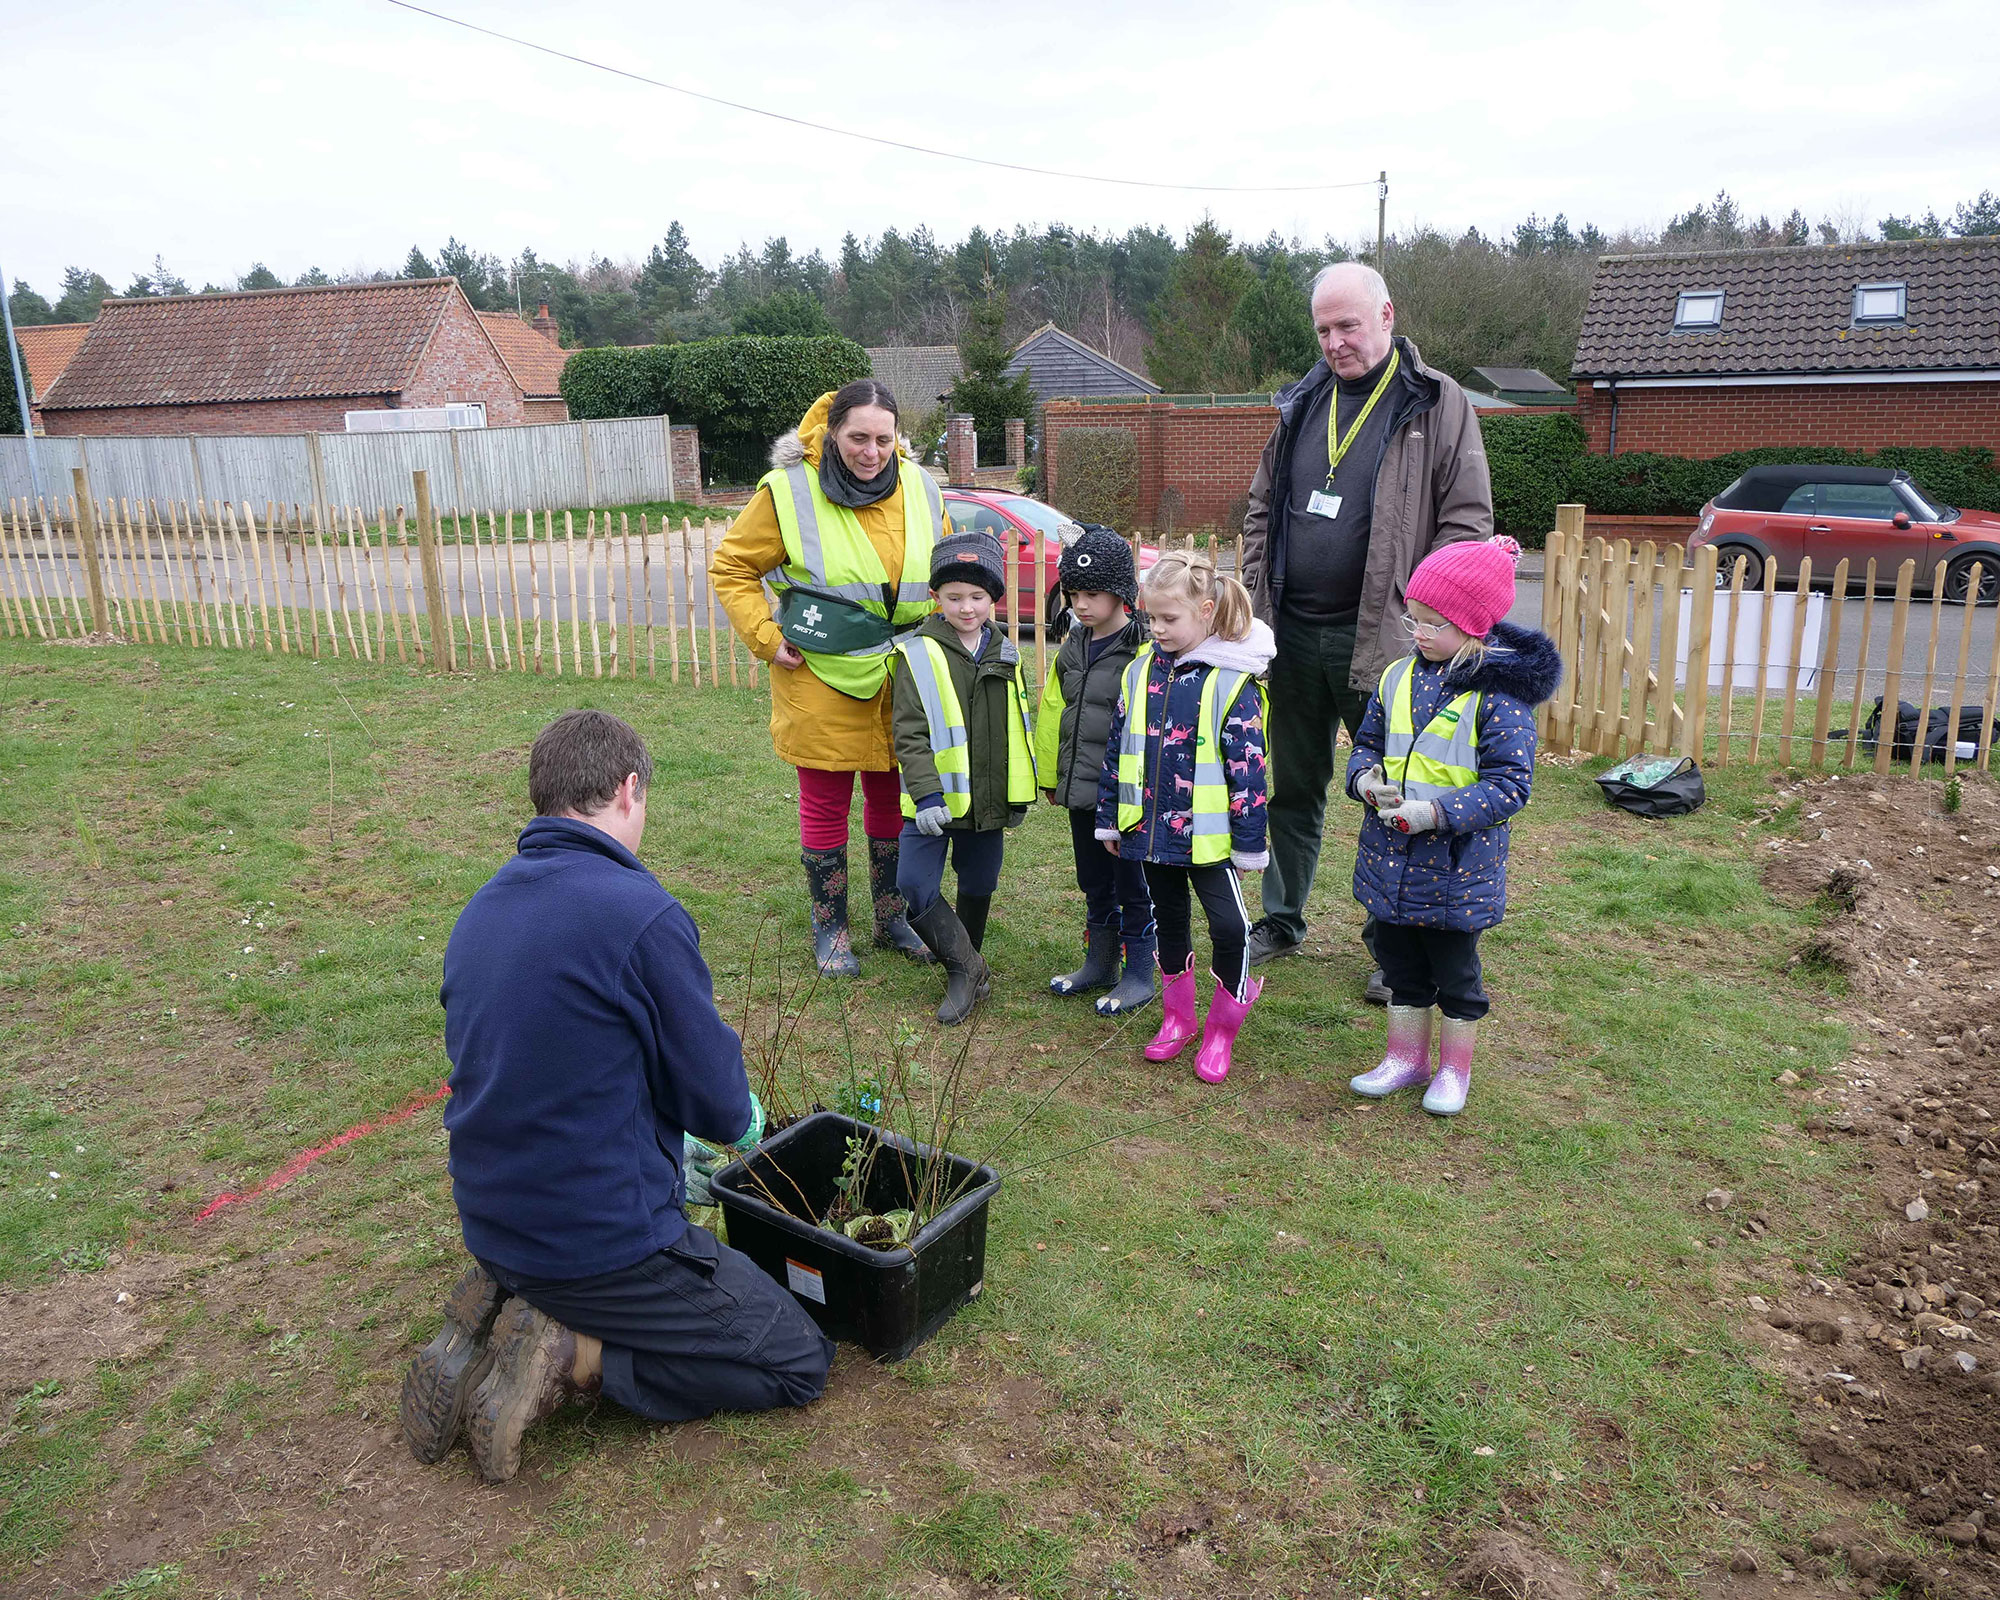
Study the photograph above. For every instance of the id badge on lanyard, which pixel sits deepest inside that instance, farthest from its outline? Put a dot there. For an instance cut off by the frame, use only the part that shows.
(1324, 504)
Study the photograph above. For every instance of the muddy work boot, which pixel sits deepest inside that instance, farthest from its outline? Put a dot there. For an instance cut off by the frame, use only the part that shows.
(1136, 989)
(892, 924)
(826, 887)
(1446, 1095)
(964, 968)
(1100, 964)
(538, 1364)
(1177, 1029)
(446, 1371)
(1407, 1061)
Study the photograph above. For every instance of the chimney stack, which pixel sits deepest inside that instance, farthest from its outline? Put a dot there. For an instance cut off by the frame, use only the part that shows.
(544, 324)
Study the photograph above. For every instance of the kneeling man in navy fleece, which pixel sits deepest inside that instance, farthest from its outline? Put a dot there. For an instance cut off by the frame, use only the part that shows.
(585, 1045)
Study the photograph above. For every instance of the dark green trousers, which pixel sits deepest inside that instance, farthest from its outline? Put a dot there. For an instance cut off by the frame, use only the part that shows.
(1310, 701)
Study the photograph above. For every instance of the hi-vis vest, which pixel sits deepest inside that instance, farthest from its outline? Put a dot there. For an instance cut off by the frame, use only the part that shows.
(1211, 783)
(945, 717)
(828, 553)
(1444, 756)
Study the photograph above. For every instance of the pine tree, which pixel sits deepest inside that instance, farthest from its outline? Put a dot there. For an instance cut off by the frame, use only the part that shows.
(260, 277)
(417, 265)
(10, 408)
(1194, 347)
(788, 312)
(28, 308)
(83, 292)
(985, 391)
(1274, 320)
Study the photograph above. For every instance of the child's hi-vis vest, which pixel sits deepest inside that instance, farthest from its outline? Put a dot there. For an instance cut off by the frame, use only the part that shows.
(1441, 758)
(945, 718)
(1211, 783)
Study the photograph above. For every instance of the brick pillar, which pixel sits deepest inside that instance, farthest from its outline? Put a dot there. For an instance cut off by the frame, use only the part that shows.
(961, 449)
(1017, 442)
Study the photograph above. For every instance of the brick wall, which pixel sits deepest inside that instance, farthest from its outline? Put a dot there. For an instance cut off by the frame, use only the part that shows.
(961, 449)
(544, 411)
(460, 364)
(1195, 462)
(1017, 442)
(249, 416)
(686, 447)
(1846, 416)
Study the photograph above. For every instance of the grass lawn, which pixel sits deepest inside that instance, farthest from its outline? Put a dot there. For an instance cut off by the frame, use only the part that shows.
(1285, 1344)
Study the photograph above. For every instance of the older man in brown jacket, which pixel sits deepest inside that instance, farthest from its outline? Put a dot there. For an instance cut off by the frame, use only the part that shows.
(1376, 461)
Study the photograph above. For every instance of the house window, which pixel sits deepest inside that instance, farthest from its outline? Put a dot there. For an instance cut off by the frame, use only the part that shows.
(1702, 309)
(1879, 302)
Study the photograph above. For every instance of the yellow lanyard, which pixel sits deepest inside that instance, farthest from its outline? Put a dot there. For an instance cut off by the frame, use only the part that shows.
(1336, 447)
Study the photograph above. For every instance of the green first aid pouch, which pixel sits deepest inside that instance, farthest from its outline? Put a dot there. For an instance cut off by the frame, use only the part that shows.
(829, 625)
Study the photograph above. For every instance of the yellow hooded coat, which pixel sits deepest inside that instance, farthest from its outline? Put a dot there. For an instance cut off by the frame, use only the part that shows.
(812, 725)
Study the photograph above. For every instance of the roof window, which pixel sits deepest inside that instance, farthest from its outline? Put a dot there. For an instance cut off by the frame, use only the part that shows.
(1880, 302)
(1698, 310)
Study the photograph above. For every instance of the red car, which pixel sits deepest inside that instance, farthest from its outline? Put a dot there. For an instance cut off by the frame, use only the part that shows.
(1032, 526)
(1783, 514)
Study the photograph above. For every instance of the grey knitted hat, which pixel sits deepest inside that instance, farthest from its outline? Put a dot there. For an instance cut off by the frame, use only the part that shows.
(969, 558)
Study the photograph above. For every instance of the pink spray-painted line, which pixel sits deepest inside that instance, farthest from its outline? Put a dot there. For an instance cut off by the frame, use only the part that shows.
(305, 1158)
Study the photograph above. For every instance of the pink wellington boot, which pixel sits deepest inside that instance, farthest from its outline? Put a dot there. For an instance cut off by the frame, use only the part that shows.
(1218, 1038)
(1177, 1015)
(1446, 1095)
(1407, 1062)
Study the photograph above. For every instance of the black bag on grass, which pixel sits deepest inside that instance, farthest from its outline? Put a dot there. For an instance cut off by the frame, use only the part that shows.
(1904, 737)
(1654, 786)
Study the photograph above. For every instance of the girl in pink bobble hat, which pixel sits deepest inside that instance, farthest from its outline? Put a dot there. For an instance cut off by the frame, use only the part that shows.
(1445, 755)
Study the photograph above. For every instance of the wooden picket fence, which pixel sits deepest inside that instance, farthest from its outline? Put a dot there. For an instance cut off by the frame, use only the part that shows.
(1633, 683)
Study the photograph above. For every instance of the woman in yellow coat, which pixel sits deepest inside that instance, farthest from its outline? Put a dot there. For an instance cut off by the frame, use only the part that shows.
(841, 529)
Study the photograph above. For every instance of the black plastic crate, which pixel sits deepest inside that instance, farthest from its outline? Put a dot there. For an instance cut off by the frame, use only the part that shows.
(887, 1301)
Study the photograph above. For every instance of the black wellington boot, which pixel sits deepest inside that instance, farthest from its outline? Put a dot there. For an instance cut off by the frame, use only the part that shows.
(826, 884)
(972, 909)
(892, 927)
(964, 968)
(1100, 965)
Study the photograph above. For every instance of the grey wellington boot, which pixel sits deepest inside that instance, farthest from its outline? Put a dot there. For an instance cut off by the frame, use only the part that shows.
(1100, 964)
(965, 969)
(1140, 984)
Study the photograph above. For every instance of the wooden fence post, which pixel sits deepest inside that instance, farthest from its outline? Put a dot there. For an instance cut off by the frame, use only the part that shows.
(1861, 666)
(1964, 663)
(1701, 633)
(1930, 673)
(1899, 625)
(444, 649)
(86, 549)
(1829, 663)
(1790, 715)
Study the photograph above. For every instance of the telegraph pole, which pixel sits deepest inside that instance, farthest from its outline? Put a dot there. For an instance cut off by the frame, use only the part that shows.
(1382, 222)
(20, 386)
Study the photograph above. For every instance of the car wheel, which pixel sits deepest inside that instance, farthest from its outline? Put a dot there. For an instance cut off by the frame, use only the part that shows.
(1958, 579)
(1725, 566)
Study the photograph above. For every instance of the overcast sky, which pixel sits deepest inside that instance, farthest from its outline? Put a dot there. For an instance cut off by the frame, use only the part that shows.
(337, 133)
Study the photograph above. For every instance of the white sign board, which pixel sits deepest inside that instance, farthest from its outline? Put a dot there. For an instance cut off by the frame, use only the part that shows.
(1739, 655)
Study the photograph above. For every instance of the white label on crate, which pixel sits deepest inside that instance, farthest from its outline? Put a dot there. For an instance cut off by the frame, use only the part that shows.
(804, 1281)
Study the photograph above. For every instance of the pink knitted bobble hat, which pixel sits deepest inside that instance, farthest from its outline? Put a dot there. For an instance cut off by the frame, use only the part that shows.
(1469, 584)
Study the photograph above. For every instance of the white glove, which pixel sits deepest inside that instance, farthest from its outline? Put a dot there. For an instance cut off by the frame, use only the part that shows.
(1376, 790)
(1412, 816)
(931, 821)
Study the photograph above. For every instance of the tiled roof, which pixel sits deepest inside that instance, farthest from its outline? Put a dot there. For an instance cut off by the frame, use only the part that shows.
(1518, 380)
(534, 359)
(917, 374)
(47, 350)
(266, 344)
(1789, 311)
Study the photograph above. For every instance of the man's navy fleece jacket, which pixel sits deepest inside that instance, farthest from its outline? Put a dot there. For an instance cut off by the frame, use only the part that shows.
(584, 1042)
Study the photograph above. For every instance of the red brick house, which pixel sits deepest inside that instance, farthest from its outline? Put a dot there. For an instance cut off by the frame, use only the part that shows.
(1847, 346)
(280, 361)
(535, 357)
(45, 351)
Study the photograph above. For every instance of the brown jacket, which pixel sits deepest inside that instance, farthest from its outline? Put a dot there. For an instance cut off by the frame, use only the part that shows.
(1431, 488)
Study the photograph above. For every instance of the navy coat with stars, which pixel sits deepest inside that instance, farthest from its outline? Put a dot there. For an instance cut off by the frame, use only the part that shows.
(1456, 875)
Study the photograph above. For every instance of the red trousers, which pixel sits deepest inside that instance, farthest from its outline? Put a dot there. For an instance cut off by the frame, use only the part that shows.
(826, 797)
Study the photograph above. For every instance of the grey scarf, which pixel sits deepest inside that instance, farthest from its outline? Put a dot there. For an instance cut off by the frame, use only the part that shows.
(844, 489)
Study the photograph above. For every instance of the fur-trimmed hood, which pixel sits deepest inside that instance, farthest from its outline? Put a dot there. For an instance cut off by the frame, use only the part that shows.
(1525, 665)
(803, 443)
(1252, 653)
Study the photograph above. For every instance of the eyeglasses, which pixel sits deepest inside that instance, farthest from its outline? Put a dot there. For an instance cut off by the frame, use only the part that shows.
(1422, 630)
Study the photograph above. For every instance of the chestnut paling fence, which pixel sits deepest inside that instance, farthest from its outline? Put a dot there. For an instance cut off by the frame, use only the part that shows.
(1664, 655)
(576, 593)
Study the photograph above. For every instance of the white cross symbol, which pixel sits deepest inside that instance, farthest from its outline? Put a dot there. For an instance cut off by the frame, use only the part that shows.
(812, 616)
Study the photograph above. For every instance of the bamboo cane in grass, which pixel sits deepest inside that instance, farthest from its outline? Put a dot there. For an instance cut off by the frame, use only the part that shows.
(1789, 718)
(1042, 604)
(1763, 655)
(409, 586)
(575, 637)
(625, 556)
(1930, 677)
(1861, 666)
(1964, 665)
(1829, 663)
(708, 600)
(515, 661)
(59, 569)
(590, 591)
(535, 591)
(479, 577)
(1892, 682)
(646, 573)
(687, 586)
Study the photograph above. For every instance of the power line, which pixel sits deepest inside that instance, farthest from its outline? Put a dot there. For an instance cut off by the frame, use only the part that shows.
(870, 138)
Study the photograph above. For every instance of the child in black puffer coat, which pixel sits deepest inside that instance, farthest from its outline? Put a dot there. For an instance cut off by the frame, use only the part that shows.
(1445, 755)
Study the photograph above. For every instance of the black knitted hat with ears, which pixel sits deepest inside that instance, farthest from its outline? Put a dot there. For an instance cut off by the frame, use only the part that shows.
(1101, 561)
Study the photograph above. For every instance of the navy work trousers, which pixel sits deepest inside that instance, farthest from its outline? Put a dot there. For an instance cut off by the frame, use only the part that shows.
(920, 863)
(690, 1330)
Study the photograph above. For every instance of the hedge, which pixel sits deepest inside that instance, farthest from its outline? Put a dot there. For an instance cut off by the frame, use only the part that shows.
(1097, 475)
(741, 392)
(1540, 462)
